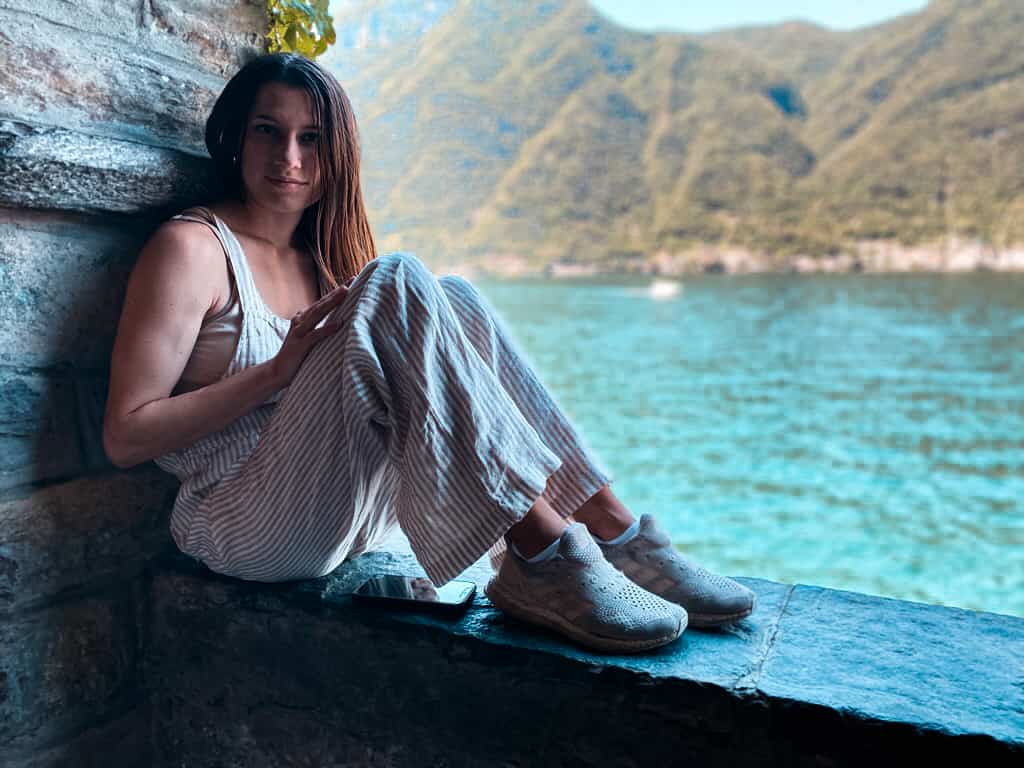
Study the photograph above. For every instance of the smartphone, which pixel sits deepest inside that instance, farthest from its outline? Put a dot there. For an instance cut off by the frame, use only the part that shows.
(416, 592)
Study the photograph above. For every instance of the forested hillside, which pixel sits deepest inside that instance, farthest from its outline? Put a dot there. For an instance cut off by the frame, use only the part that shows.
(543, 132)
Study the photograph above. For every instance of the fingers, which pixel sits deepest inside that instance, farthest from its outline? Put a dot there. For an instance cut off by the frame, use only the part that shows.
(307, 320)
(333, 298)
(327, 302)
(324, 332)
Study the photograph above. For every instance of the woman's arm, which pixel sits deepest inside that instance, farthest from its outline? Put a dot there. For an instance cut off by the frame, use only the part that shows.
(172, 288)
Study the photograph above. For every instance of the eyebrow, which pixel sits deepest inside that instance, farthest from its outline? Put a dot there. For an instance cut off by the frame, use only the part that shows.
(275, 120)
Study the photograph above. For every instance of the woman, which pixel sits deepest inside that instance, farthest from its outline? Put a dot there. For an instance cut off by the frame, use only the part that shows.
(312, 396)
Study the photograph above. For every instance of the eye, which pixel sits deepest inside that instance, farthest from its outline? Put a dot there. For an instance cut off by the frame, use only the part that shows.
(311, 138)
(269, 128)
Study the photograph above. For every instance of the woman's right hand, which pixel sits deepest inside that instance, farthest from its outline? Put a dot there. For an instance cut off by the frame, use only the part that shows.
(303, 334)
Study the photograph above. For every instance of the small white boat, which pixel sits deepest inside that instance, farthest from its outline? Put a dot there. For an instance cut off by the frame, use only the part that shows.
(664, 289)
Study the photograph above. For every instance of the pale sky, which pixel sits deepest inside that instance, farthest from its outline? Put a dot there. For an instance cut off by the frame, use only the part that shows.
(702, 15)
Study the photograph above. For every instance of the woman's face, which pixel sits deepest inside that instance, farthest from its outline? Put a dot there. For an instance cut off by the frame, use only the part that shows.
(280, 143)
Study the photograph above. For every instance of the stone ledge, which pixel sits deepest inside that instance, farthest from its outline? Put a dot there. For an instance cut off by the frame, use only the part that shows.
(58, 169)
(815, 677)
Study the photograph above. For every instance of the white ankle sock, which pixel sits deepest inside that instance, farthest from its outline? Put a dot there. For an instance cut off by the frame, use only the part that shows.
(546, 554)
(625, 536)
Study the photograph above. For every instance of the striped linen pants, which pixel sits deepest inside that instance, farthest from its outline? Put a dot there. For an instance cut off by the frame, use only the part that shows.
(419, 413)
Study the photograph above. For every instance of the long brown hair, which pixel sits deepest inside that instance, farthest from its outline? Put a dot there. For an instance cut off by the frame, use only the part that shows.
(335, 229)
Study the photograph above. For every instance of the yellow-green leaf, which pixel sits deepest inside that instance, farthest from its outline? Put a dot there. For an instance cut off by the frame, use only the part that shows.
(302, 26)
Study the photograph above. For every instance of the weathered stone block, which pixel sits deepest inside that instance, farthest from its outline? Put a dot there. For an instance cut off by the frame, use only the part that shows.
(68, 538)
(57, 169)
(123, 742)
(65, 666)
(371, 686)
(927, 666)
(51, 424)
(146, 71)
(62, 282)
(213, 35)
(260, 677)
(33, 411)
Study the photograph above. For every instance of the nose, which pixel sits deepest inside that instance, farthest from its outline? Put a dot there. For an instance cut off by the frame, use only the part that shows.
(292, 152)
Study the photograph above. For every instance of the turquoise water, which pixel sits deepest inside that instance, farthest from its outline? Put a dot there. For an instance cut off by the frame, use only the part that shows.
(860, 432)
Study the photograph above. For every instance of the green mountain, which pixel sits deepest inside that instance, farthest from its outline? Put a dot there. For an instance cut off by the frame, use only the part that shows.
(542, 132)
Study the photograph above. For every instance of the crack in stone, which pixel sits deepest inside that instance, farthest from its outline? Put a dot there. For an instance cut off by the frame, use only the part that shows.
(748, 681)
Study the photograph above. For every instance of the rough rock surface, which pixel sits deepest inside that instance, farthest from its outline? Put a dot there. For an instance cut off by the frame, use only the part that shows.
(296, 673)
(102, 108)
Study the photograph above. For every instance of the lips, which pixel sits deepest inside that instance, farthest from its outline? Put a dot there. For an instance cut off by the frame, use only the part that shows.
(287, 186)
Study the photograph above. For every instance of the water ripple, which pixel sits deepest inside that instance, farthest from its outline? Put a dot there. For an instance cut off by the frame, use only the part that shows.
(859, 432)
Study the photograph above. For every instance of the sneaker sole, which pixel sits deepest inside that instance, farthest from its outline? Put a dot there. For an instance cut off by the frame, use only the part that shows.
(701, 620)
(698, 620)
(535, 615)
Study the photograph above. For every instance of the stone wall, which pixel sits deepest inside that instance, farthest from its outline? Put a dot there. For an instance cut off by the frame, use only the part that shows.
(102, 107)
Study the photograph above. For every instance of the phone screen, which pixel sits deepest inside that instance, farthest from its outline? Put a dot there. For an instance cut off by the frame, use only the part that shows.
(417, 589)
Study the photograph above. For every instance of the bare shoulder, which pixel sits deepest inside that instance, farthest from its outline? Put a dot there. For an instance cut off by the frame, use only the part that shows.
(187, 254)
(188, 243)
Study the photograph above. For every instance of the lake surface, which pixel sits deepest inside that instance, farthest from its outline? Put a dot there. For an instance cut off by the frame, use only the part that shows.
(860, 432)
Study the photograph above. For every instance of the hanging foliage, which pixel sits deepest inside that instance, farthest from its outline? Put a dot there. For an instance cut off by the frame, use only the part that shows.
(299, 26)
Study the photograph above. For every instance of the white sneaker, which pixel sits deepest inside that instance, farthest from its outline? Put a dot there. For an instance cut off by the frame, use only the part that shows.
(578, 594)
(652, 562)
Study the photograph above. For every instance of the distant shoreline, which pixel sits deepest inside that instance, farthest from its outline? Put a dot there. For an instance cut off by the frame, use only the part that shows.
(874, 257)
